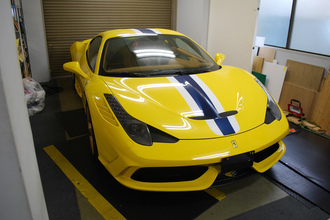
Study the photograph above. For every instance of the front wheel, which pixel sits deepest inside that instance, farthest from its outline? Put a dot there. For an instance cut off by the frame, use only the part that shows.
(91, 135)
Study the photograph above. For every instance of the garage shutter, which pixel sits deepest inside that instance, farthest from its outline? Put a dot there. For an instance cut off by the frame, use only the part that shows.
(68, 21)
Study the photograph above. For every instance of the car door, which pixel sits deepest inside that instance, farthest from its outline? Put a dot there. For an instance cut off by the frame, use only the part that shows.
(89, 62)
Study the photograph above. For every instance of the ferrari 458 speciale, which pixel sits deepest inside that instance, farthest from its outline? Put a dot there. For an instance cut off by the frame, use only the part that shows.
(164, 116)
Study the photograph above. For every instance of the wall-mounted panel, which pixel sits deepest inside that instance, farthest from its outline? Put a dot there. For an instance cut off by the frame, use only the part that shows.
(232, 30)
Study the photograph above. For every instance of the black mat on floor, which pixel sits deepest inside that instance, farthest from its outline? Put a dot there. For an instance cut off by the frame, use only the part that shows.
(133, 204)
(74, 122)
(304, 168)
(294, 129)
(300, 185)
(284, 209)
(308, 154)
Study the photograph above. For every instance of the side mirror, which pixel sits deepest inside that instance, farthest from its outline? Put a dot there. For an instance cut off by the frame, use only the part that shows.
(74, 67)
(219, 58)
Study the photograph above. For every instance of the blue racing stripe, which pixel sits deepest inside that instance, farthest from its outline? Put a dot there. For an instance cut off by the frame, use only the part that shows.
(196, 86)
(202, 102)
(205, 103)
(147, 31)
(224, 125)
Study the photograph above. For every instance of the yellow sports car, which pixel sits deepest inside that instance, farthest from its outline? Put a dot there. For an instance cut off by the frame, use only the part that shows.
(164, 116)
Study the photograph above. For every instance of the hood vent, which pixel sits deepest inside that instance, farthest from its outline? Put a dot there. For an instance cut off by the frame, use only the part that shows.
(201, 118)
(221, 115)
(227, 114)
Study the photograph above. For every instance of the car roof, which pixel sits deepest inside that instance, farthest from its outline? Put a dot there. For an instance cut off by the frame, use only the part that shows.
(136, 32)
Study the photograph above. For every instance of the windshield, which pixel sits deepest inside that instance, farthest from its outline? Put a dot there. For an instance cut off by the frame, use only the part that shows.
(153, 55)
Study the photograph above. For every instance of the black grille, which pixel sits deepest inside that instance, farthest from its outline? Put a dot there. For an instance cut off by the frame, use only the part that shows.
(169, 174)
(237, 162)
(261, 155)
(222, 179)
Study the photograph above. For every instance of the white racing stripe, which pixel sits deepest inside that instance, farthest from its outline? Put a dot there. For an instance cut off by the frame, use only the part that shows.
(156, 31)
(187, 97)
(209, 93)
(146, 31)
(137, 31)
(214, 127)
(234, 123)
(216, 102)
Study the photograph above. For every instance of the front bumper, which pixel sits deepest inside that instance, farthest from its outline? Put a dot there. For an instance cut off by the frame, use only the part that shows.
(190, 165)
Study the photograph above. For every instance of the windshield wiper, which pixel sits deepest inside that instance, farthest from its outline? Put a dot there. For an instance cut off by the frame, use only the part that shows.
(179, 72)
(185, 72)
(127, 74)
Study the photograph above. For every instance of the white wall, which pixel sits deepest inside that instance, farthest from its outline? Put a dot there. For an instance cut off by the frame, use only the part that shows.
(193, 18)
(232, 30)
(36, 39)
(21, 194)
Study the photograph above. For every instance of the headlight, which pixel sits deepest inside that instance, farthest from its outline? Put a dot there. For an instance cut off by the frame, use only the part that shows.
(273, 111)
(137, 130)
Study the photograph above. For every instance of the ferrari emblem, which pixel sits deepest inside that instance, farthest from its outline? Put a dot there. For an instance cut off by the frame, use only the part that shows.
(234, 144)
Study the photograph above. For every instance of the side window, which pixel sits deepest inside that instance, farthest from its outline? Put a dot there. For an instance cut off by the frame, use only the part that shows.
(93, 51)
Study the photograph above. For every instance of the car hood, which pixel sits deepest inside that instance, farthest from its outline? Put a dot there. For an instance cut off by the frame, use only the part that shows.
(206, 105)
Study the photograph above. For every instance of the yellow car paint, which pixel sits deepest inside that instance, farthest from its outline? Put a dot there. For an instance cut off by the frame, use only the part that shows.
(157, 101)
(150, 92)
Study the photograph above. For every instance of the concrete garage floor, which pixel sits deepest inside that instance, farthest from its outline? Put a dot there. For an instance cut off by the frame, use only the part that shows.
(252, 198)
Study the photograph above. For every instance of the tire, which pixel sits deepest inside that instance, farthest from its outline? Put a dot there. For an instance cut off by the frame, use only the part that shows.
(91, 135)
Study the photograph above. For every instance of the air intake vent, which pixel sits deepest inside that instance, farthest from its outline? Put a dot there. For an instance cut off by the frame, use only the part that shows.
(221, 115)
(227, 114)
(169, 174)
(201, 118)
